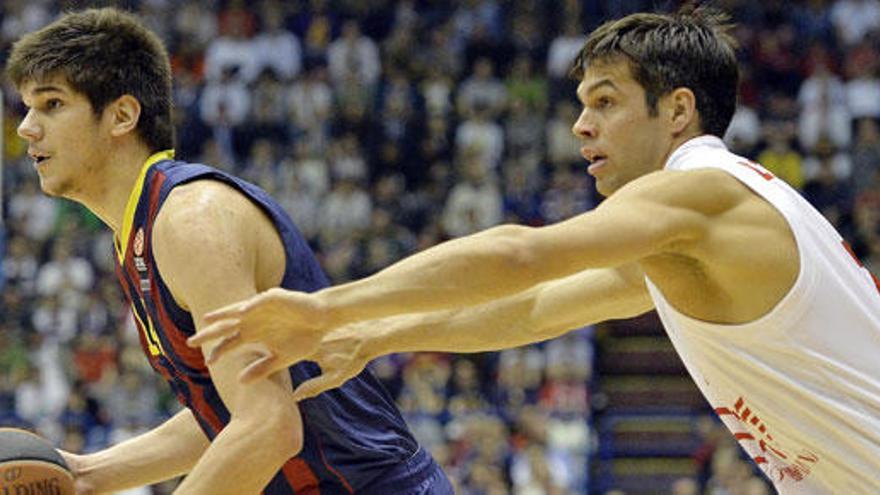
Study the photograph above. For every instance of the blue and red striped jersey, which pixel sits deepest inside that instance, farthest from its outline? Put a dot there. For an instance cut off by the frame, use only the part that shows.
(352, 434)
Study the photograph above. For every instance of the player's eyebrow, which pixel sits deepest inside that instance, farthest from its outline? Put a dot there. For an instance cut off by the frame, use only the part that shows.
(47, 88)
(598, 84)
(39, 91)
(583, 94)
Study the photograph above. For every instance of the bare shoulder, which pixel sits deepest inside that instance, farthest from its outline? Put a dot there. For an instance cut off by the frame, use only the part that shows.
(207, 212)
(708, 191)
(205, 228)
(208, 233)
(204, 202)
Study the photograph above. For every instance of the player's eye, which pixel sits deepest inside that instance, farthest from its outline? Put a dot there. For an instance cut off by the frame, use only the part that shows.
(604, 102)
(53, 104)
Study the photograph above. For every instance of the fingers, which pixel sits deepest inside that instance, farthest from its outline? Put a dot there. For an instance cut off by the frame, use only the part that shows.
(313, 387)
(261, 368)
(234, 310)
(226, 345)
(71, 459)
(223, 328)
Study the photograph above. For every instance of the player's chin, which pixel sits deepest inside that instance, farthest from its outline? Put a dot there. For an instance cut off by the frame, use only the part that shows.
(47, 189)
(51, 186)
(606, 186)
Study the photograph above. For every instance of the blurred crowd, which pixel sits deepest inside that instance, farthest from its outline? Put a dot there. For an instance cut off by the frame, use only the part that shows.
(385, 127)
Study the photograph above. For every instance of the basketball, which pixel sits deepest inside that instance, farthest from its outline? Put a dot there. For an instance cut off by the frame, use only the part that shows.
(29, 465)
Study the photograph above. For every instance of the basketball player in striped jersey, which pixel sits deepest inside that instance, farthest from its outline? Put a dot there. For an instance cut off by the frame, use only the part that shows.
(190, 239)
(774, 318)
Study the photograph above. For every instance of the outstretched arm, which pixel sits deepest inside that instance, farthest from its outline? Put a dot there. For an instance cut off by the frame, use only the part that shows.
(654, 214)
(542, 312)
(643, 218)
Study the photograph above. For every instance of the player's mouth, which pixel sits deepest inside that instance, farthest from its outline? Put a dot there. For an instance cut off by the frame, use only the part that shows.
(38, 157)
(596, 166)
(597, 160)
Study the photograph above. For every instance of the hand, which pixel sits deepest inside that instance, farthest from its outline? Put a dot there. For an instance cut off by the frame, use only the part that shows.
(342, 355)
(75, 463)
(290, 324)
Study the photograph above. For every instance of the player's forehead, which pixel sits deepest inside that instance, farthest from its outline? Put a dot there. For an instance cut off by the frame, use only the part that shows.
(612, 74)
(53, 84)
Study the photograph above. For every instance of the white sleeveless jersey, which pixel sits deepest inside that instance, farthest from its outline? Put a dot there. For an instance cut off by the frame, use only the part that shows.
(799, 387)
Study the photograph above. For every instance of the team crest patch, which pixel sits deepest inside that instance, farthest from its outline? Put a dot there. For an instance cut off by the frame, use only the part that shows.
(138, 245)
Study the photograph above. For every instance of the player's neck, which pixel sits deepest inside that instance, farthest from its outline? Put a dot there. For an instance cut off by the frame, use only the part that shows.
(679, 140)
(109, 196)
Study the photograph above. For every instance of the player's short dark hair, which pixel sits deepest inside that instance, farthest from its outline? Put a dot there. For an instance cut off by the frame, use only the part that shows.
(103, 54)
(692, 48)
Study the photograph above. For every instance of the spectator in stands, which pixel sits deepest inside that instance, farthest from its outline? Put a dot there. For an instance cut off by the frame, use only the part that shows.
(195, 24)
(481, 138)
(825, 153)
(94, 315)
(20, 267)
(775, 52)
(536, 467)
(744, 130)
(854, 19)
(261, 165)
(23, 17)
(40, 395)
(567, 194)
(475, 202)
(524, 131)
(345, 212)
(523, 84)
(53, 319)
(132, 401)
(827, 188)
(482, 90)
(234, 49)
(562, 147)
(274, 47)
(522, 203)
(268, 118)
(824, 111)
(563, 49)
(520, 374)
(66, 275)
(863, 86)
(224, 108)
(34, 212)
(93, 357)
(442, 52)
(866, 238)
(813, 22)
(865, 156)
(353, 59)
(436, 91)
(780, 157)
(347, 161)
(309, 105)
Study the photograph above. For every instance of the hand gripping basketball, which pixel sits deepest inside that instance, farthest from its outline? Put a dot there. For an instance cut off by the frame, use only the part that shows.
(30, 465)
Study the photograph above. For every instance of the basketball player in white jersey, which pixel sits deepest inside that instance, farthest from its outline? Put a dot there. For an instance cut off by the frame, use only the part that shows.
(777, 322)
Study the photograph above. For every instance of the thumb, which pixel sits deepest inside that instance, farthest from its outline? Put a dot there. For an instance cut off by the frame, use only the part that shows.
(71, 459)
(315, 386)
(261, 368)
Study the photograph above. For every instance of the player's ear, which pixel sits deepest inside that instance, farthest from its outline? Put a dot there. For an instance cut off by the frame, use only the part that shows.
(682, 106)
(124, 112)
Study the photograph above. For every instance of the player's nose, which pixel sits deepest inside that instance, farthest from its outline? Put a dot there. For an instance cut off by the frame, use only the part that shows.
(29, 128)
(583, 127)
